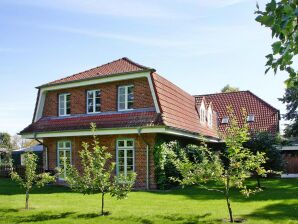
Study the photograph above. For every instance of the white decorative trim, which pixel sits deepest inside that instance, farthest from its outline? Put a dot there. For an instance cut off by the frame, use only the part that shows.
(121, 77)
(140, 130)
(290, 175)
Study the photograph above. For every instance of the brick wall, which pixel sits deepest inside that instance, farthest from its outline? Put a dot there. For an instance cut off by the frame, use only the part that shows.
(142, 95)
(110, 142)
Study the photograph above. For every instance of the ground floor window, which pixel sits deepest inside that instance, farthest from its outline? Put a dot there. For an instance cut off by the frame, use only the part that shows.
(63, 157)
(125, 156)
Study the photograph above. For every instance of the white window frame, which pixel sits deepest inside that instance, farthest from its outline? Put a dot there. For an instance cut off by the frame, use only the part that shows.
(64, 148)
(202, 113)
(210, 117)
(22, 159)
(64, 95)
(94, 101)
(126, 97)
(225, 120)
(125, 148)
(250, 118)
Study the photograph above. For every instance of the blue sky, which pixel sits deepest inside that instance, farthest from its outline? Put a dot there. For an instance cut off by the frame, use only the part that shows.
(199, 45)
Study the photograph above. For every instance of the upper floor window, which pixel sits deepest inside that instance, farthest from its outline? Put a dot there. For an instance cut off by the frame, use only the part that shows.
(93, 101)
(225, 120)
(210, 117)
(64, 104)
(251, 118)
(125, 97)
(202, 113)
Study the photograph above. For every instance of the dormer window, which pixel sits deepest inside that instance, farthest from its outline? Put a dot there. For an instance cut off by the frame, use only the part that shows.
(210, 117)
(225, 120)
(202, 113)
(250, 118)
(93, 101)
(64, 104)
(125, 97)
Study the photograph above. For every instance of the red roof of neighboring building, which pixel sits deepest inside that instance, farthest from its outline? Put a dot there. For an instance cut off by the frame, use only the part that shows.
(81, 122)
(120, 66)
(266, 116)
(179, 108)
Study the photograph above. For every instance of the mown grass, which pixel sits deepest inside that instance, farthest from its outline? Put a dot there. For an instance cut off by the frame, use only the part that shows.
(278, 203)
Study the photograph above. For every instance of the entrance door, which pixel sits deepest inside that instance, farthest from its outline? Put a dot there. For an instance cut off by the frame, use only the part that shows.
(64, 157)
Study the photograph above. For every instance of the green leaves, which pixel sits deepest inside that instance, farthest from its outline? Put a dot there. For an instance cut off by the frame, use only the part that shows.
(281, 18)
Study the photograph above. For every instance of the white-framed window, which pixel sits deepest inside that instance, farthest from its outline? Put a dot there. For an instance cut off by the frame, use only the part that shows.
(125, 97)
(250, 118)
(202, 113)
(93, 101)
(63, 157)
(22, 159)
(64, 104)
(225, 120)
(125, 156)
(210, 117)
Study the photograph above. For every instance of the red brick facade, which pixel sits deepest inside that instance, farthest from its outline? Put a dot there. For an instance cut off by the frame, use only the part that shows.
(110, 142)
(142, 97)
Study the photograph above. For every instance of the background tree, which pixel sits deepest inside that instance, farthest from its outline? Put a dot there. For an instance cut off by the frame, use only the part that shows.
(97, 172)
(266, 143)
(227, 89)
(291, 100)
(5, 140)
(230, 169)
(31, 178)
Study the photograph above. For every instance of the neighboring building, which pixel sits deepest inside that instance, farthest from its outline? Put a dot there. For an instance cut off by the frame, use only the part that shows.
(131, 105)
(18, 155)
(261, 116)
(290, 157)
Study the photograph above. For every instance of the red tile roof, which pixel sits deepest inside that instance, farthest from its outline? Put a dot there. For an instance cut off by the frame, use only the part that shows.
(120, 66)
(82, 122)
(179, 108)
(266, 116)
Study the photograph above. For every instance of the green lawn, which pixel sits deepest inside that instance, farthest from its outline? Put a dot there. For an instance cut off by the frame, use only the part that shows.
(54, 204)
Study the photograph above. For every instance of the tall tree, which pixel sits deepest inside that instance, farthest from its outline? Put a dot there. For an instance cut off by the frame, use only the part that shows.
(281, 17)
(227, 89)
(97, 172)
(5, 140)
(31, 178)
(291, 100)
(231, 169)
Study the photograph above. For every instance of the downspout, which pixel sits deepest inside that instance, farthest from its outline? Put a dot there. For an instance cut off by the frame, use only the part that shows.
(46, 151)
(147, 158)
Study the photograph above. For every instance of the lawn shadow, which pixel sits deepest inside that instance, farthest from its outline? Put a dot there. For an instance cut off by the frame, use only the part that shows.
(43, 216)
(8, 187)
(277, 212)
(274, 189)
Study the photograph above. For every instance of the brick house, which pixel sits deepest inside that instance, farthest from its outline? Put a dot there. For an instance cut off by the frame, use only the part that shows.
(132, 106)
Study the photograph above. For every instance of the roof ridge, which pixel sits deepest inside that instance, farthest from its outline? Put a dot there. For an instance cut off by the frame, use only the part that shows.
(221, 93)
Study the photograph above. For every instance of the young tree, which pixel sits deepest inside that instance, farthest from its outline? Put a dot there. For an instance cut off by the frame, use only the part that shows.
(228, 89)
(282, 18)
(231, 168)
(97, 172)
(31, 178)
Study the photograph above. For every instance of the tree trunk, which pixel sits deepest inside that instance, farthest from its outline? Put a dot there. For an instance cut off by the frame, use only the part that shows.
(227, 195)
(27, 200)
(258, 181)
(102, 203)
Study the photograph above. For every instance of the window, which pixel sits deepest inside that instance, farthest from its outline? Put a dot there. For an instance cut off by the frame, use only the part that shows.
(210, 117)
(202, 113)
(23, 159)
(93, 101)
(64, 104)
(125, 156)
(225, 120)
(63, 157)
(125, 97)
(250, 118)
